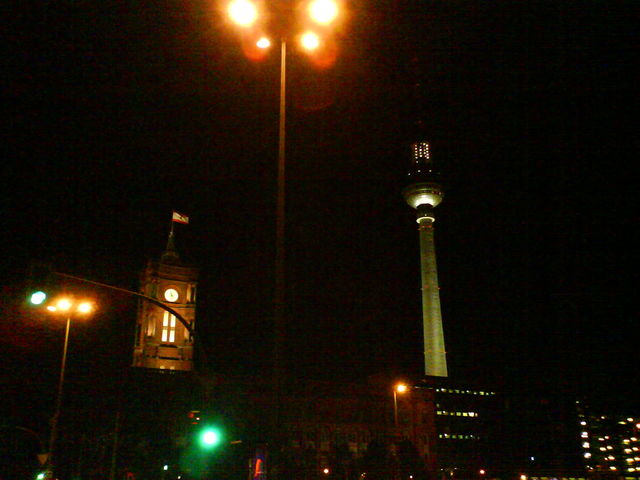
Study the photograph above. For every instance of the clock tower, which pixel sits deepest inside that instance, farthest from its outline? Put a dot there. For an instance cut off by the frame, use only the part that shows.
(161, 341)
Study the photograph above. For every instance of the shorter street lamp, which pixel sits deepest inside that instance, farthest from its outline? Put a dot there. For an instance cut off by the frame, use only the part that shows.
(400, 388)
(63, 306)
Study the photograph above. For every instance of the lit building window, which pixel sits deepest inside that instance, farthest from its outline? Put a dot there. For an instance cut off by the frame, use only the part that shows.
(584, 435)
(421, 150)
(585, 445)
(168, 328)
(587, 455)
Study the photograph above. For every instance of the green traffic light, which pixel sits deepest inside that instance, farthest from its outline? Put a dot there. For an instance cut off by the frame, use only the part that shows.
(37, 298)
(210, 437)
(40, 476)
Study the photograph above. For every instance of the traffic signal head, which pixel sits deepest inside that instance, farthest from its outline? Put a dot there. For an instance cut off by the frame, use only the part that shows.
(210, 437)
(37, 298)
(39, 284)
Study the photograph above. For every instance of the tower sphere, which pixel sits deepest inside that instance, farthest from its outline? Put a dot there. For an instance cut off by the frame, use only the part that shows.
(423, 193)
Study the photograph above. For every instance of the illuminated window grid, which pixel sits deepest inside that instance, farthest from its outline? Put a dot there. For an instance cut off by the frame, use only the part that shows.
(168, 328)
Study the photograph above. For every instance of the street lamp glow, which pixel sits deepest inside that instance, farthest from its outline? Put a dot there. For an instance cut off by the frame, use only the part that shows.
(242, 12)
(323, 11)
(85, 307)
(63, 304)
(310, 41)
(401, 388)
(263, 42)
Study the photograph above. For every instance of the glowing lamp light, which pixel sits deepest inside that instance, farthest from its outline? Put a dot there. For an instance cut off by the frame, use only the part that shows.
(482, 472)
(63, 304)
(242, 12)
(85, 307)
(310, 41)
(325, 471)
(323, 11)
(401, 388)
(51, 308)
(263, 42)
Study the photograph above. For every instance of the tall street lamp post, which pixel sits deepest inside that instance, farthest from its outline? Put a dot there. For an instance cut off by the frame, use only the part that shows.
(65, 306)
(247, 15)
(400, 388)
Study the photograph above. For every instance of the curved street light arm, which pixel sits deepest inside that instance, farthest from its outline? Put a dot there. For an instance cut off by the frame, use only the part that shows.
(156, 302)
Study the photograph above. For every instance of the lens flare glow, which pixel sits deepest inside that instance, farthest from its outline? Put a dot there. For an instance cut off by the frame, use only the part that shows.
(264, 42)
(242, 12)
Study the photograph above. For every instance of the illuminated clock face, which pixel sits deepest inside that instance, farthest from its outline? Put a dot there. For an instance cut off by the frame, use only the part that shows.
(171, 295)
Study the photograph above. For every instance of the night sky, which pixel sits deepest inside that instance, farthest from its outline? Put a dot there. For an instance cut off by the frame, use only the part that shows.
(115, 114)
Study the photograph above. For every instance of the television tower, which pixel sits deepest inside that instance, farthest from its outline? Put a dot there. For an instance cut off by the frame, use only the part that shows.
(424, 193)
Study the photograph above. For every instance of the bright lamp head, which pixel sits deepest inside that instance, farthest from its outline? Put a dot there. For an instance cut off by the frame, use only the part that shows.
(242, 12)
(323, 11)
(310, 41)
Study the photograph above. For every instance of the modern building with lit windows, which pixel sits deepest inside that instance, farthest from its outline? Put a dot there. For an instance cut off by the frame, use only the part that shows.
(610, 442)
(468, 429)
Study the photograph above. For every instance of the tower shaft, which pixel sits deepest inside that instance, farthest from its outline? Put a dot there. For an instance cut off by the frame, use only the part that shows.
(435, 360)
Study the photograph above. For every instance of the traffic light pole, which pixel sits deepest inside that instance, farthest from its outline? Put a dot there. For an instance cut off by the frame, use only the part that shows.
(187, 325)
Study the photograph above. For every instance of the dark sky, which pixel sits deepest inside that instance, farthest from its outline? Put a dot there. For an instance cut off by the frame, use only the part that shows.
(116, 113)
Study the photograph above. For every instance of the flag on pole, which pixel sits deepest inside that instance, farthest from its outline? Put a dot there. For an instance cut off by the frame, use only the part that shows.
(180, 218)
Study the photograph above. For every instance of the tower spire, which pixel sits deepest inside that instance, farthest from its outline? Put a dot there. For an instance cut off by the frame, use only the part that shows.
(424, 193)
(170, 254)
